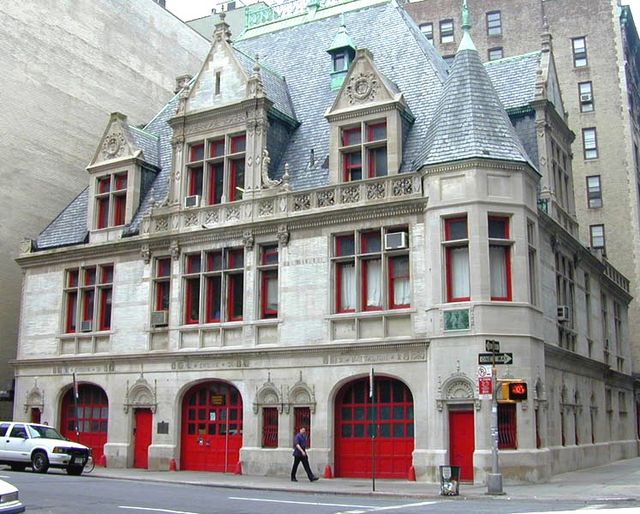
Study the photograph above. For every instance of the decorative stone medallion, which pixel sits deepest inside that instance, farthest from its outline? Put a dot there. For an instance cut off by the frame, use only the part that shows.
(362, 87)
(114, 145)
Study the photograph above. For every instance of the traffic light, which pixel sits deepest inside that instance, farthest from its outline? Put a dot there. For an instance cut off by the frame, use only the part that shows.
(513, 391)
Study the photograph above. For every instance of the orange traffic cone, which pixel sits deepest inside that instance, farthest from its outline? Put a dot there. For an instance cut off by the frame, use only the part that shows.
(172, 465)
(327, 472)
(238, 470)
(411, 476)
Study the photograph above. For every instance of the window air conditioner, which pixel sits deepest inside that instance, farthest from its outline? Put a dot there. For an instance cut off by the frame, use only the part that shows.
(192, 201)
(395, 241)
(159, 318)
(86, 326)
(564, 314)
(585, 97)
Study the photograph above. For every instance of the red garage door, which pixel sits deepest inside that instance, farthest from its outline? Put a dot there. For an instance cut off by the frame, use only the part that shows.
(391, 414)
(91, 415)
(211, 428)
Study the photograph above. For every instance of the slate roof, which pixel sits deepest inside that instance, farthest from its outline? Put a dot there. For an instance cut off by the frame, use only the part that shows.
(296, 72)
(275, 86)
(470, 121)
(514, 79)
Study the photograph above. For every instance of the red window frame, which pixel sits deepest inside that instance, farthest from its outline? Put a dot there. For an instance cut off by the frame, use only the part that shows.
(347, 134)
(104, 323)
(507, 254)
(235, 296)
(393, 277)
(196, 152)
(448, 252)
(83, 287)
(339, 281)
(269, 427)
(119, 206)
(268, 257)
(302, 418)
(163, 284)
(102, 217)
(195, 180)
(373, 171)
(71, 323)
(365, 284)
(214, 305)
(192, 299)
(216, 183)
(351, 168)
(216, 148)
(507, 427)
(236, 179)
(238, 143)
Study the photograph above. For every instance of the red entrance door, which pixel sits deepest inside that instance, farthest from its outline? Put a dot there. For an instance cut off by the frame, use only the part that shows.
(142, 440)
(91, 416)
(211, 428)
(462, 442)
(390, 415)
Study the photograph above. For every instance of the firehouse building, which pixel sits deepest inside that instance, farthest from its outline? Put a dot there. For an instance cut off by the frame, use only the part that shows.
(325, 208)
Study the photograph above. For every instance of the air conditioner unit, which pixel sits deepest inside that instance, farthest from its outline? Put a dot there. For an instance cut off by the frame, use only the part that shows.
(159, 318)
(395, 241)
(86, 326)
(192, 201)
(586, 97)
(564, 313)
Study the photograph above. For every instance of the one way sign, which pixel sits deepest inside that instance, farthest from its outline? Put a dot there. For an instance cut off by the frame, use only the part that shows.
(501, 358)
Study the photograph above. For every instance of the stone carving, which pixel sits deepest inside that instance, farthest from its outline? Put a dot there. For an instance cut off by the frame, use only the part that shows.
(266, 208)
(283, 235)
(145, 253)
(191, 220)
(376, 191)
(350, 194)
(301, 395)
(26, 246)
(268, 396)
(216, 123)
(458, 388)
(174, 249)
(34, 398)
(233, 214)
(162, 224)
(141, 395)
(247, 239)
(302, 202)
(264, 171)
(326, 198)
(362, 87)
(114, 145)
(211, 217)
(403, 186)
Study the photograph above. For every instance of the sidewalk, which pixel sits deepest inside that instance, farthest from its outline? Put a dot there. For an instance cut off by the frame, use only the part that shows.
(617, 481)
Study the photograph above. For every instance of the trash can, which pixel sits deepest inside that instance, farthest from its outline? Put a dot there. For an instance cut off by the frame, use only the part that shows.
(449, 480)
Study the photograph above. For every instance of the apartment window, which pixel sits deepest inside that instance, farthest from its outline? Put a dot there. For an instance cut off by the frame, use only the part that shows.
(507, 427)
(270, 427)
(590, 143)
(565, 296)
(495, 53)
(371, 270)
(456, 248)
(162, 285)
(446, 31)
(594, 192)
(579, 47)
(500, 258)
(214, 286)
(427, 30)
(585, 95)
(587, 301)
(494, 23)
(88, 293)
(597, 236)
(215, 170)
(604, 316)
(111, 200)
(533, 256)
(617, 327)
(268, 273)
(364, 157)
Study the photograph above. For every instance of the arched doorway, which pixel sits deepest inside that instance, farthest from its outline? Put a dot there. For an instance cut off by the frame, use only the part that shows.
(211, 427)
(92, 415)
(390, 415)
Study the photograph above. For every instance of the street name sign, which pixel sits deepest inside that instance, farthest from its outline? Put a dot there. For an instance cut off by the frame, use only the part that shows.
(491, 345)
(501, 358)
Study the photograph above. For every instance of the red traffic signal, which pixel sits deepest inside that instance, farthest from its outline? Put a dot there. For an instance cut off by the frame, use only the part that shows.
(517, 391)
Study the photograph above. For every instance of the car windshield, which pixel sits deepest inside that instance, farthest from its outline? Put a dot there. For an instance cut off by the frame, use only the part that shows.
(46, 432)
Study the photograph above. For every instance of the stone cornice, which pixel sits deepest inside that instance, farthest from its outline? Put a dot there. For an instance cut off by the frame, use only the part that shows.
(475, 163)
(565, 360)
(364, 110)
(288, 352)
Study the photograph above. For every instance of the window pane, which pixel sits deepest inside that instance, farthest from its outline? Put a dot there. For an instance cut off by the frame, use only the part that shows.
(456, 229)
(351, 136)
(378, 162)
(347, 286)
(498, 263)
(345, 245)
(459, 262)
(498, 228)
(377, 132)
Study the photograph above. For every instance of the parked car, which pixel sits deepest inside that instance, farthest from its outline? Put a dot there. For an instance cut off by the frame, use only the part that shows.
(39, 447)
(9, 499)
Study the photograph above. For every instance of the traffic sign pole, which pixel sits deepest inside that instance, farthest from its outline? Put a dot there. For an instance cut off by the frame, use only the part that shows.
(494, 479)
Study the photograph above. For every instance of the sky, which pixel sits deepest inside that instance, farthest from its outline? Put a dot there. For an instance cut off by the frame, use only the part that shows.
(190, 9)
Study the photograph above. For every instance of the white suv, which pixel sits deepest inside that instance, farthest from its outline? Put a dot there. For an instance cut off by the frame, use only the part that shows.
(39, 447)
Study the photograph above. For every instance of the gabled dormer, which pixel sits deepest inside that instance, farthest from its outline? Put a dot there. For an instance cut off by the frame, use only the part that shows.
(222, 123)
(124, 165)
(367, 121)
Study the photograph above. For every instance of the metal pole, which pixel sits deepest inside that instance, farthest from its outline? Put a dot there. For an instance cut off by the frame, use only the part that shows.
(75, 400)
(226, 443)
(373, 430)
(494, 479)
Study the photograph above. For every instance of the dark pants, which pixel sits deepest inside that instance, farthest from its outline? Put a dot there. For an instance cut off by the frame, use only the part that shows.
(305, 462)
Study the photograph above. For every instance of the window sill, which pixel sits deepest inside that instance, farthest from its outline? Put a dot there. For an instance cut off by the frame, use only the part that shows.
(94, 333)
(371, 314)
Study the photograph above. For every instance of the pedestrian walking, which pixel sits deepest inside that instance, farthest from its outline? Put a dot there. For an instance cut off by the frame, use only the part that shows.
(300, 455)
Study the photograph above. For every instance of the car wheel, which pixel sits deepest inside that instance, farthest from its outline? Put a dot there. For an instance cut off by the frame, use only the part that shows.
(18, 467)
(74, 470)
(39, 462)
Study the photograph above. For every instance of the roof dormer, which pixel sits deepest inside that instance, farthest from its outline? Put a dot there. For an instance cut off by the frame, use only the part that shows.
(126, 160)
(342, 51)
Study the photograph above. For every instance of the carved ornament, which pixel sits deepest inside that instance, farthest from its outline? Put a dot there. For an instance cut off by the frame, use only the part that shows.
(362, 87)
